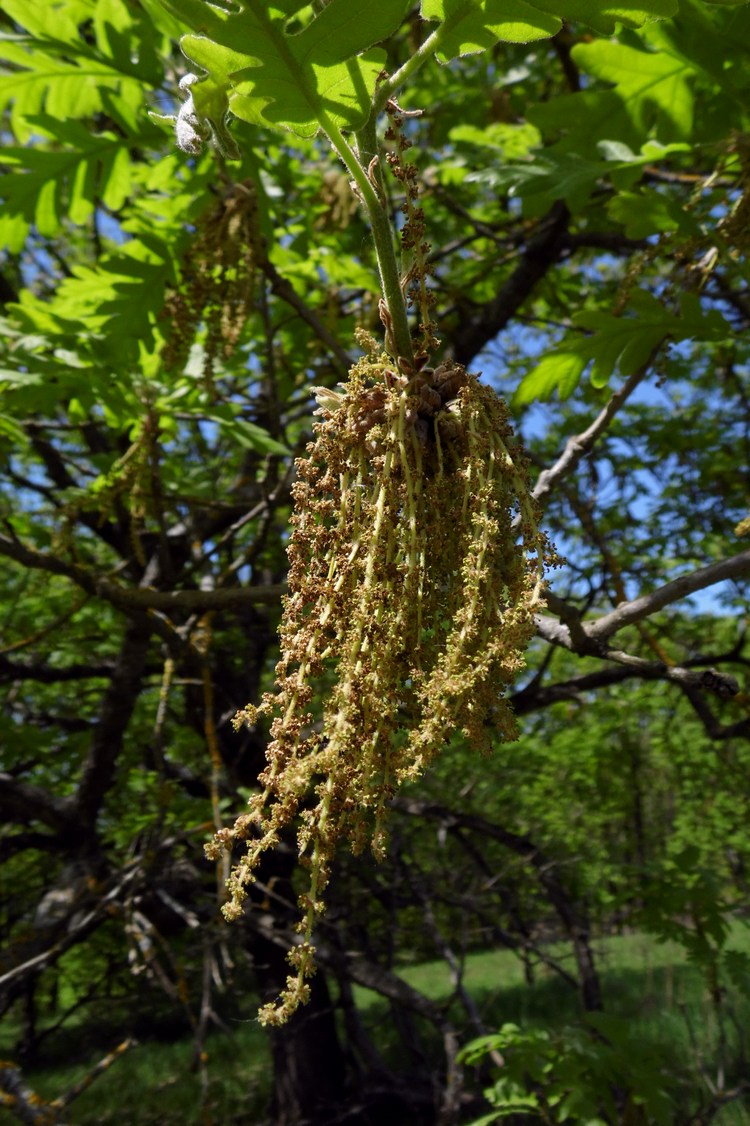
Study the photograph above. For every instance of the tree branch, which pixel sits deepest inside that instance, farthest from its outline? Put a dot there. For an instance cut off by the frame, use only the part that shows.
(573, 920)
(117, 707)
(580, 444)
(110, 532)
(628, 612)
(132, 600)
(282, 288)
(23, 802)
(22, 842)
(705, 677)
(541, 253)
(47, 674)
(711, 725)
(79, 929)
(358, 968)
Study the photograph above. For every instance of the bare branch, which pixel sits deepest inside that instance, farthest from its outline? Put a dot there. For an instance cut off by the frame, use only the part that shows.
(21, 842)
(580, 444)
(133, 599)
(358, 968)
(118, 703)
(705, 677)
(48, 674)
(76, 932)
(557, 633)
(711, 725)
(286, 291)
(584, 639)
(569, 912)
(626, 613)
(8, 292)
(20, 1100)
(542, 251)
(103, 1065)
(22, 802)
(17, 1097)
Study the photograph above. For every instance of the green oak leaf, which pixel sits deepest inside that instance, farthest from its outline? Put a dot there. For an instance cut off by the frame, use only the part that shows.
(652, 85)
(645, 213)
(325, 72)
(44, 186)
(622, 343)
(476, 25)
(650, 95)
(603, 15)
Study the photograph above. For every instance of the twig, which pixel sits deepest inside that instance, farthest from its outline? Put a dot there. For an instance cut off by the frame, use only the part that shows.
(129, 599)
(99, 1069)
(628, 612)
(17, 1097)
(73, 934)
(282, 288)
(580, 444)
(542, 251)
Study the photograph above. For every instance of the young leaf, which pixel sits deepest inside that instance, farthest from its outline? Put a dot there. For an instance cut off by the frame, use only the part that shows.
(649, 97)
(293, 82)
(246, 434)
(476, 25)
(44, 186)
(623, 343)
(56, 70)
(645, 213)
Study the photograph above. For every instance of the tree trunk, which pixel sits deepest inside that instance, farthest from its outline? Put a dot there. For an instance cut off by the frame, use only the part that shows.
(308, 1064)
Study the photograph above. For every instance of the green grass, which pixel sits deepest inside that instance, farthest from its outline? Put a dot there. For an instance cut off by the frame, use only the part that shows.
(648, 984)
(155, 1084)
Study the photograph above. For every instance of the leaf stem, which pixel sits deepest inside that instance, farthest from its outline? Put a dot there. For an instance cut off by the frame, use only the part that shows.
(423, 54)
(382, 233)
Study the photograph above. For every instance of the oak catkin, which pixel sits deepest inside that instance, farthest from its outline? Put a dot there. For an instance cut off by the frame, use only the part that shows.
(416, 566)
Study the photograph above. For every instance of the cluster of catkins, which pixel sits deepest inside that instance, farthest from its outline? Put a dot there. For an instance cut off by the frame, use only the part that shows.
(416, 565)
(218, 280)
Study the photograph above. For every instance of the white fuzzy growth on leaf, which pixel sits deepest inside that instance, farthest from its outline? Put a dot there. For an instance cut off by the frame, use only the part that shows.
(189, 129)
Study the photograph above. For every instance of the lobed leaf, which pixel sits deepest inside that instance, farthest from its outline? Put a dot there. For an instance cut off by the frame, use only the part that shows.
(246, 434)
(117, 302)
(44, 185)
(327, 71)
(55, 70)
(618, 343)
(476, 25)
(266, 75)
